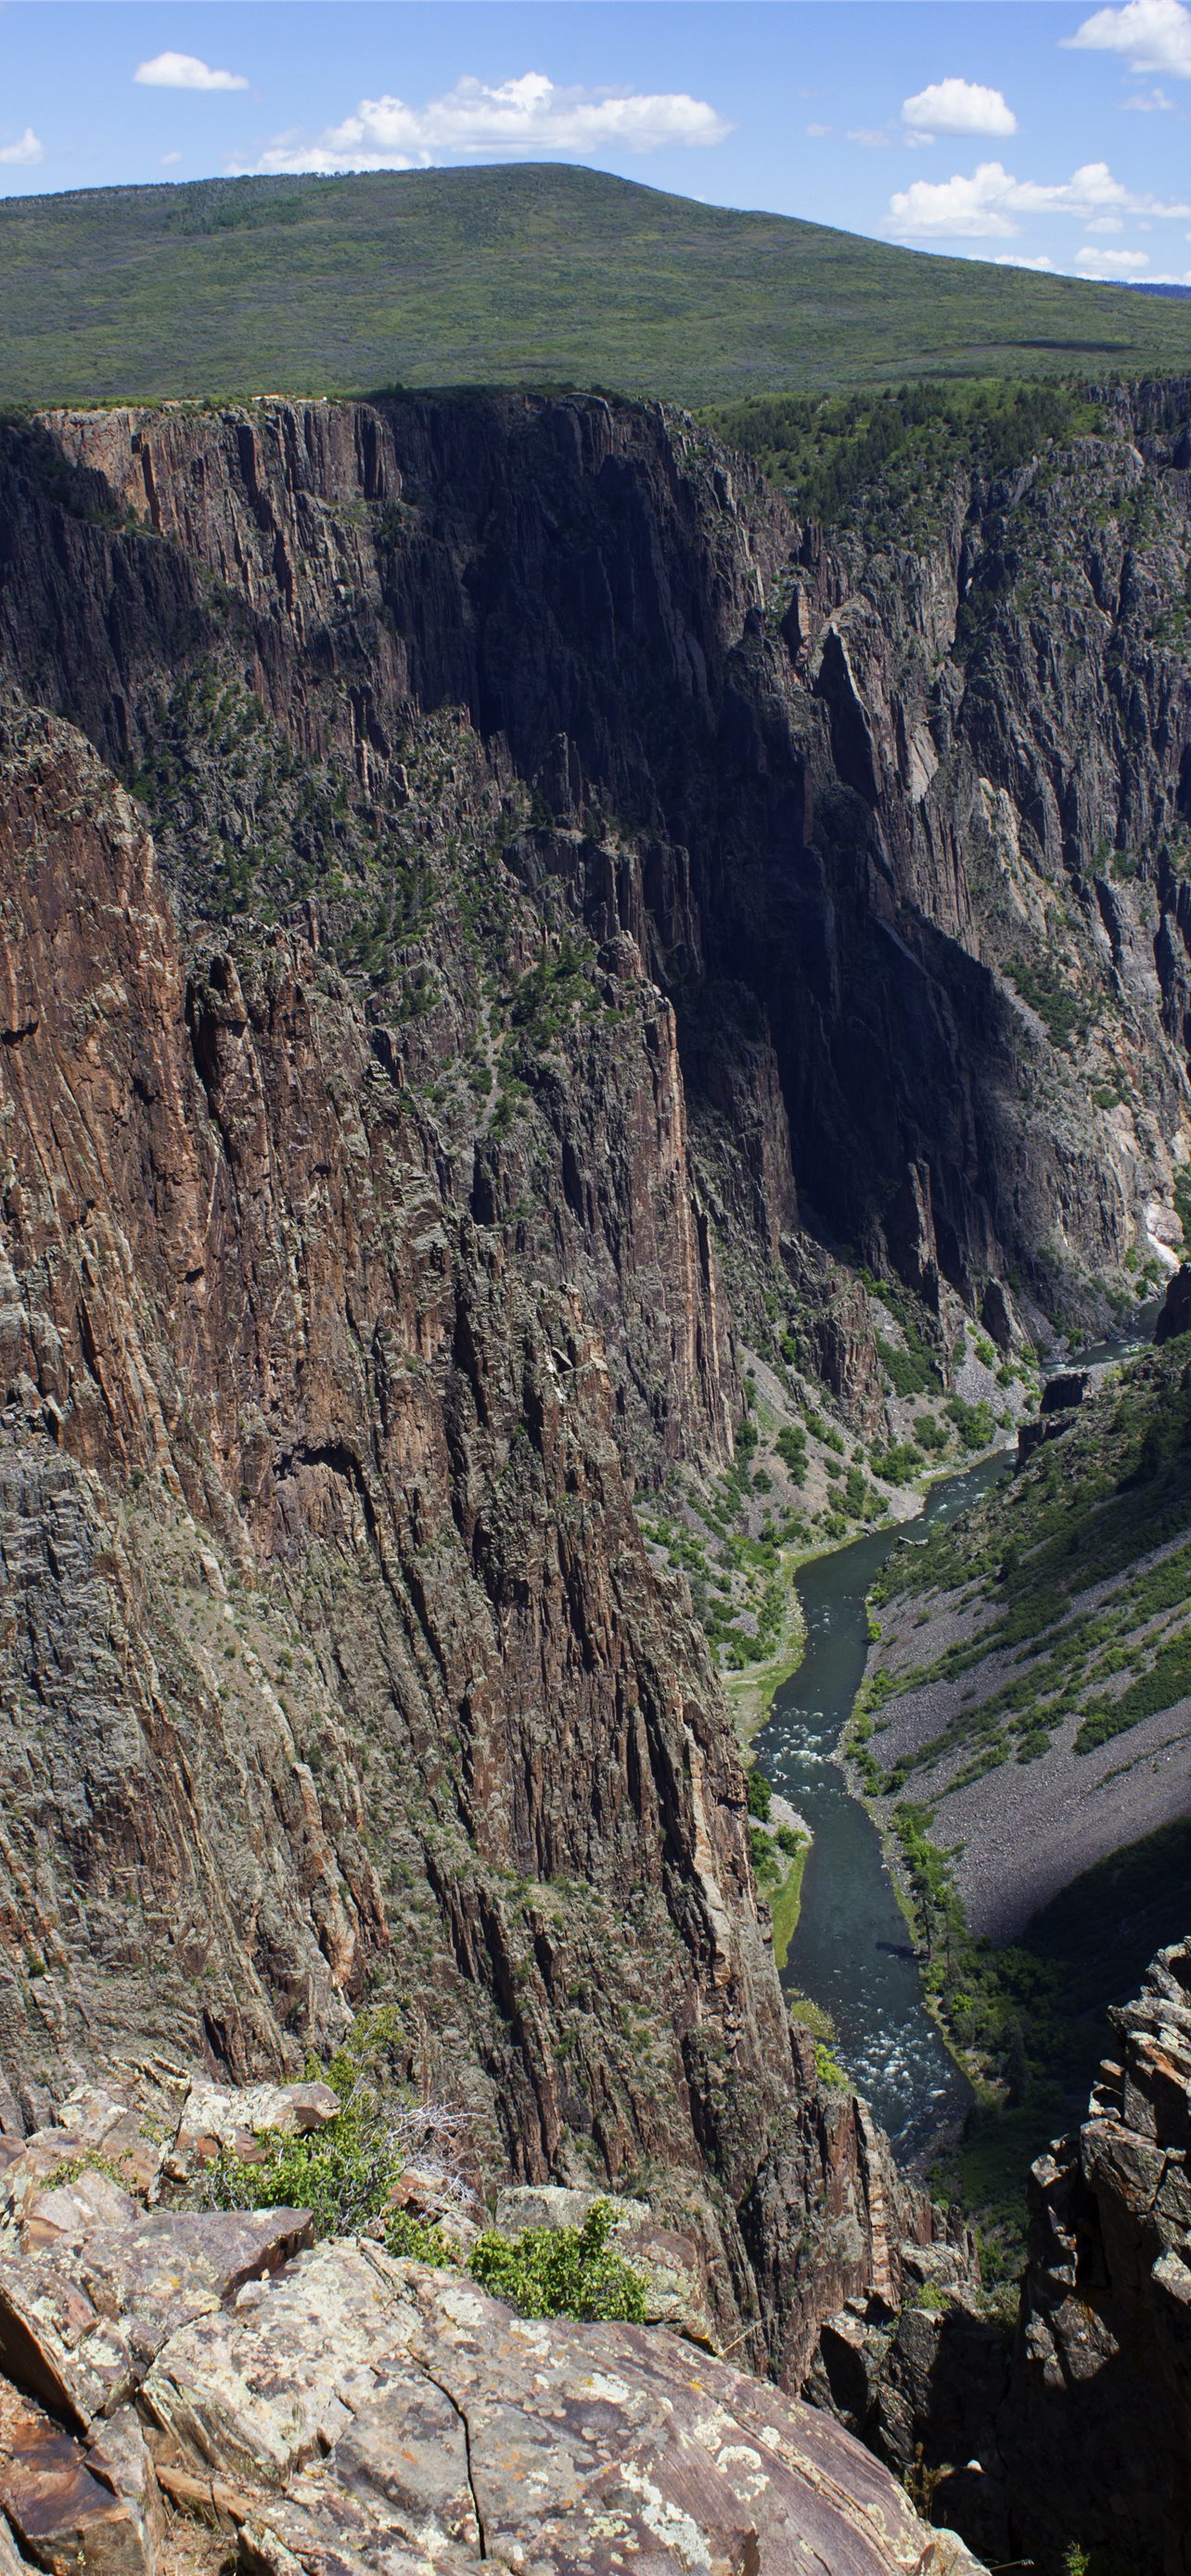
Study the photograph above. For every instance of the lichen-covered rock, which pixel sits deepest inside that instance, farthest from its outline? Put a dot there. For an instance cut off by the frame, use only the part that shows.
(81, 2320)
(359, 2402)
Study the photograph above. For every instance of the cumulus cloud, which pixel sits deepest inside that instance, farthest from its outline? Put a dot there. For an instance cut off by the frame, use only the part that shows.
(1148, 102)
(27, 150)
(1018, 259)
(958, 107)
(818, 130)
(524, 116)
(1155, 36)
(1095, 262)
(987, 205)
(185, 71)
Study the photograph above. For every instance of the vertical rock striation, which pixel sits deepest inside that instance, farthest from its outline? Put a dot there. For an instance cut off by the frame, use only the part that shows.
(471, 886)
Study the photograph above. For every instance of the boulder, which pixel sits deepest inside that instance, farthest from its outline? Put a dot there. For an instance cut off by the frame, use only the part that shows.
(261, 2389)
(216, 2116)
(66, 2513)
(82, 2320)
(364, 2412)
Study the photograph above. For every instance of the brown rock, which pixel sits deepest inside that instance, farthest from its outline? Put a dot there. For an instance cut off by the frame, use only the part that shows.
(65, 2516)
(393, 2408)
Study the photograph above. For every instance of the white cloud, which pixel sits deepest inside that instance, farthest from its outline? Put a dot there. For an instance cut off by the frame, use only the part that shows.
(1154, 34)
(1017, 259)
(959, 107)
(1111, 263)
(185, 71)
(524, 116)
(1147, 102)
(1106, 224)
(873, 137)
(24, 153)
(170, 159)
(986, 206)
(817, 130)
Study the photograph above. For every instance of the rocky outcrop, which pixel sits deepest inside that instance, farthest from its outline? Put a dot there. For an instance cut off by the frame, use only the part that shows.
(1069, 2437)
(326, 2405)
(1096, 2431)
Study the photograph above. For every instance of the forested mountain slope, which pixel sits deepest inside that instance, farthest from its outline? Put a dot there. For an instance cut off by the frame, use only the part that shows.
(530, 274)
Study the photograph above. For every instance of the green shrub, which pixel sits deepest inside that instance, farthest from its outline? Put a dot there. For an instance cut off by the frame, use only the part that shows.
(343, 2175)
(416, 2240)
(763, 1853)
(561, 2271)
(898, 1464)
(974, 1422)
(759, 1795)
(790, 1446)
(911, 1372)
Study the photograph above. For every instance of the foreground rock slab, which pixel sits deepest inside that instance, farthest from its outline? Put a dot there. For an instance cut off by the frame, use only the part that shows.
(333, 2410)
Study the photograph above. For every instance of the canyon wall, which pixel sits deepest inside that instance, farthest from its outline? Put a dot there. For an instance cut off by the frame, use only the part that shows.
(451, 946)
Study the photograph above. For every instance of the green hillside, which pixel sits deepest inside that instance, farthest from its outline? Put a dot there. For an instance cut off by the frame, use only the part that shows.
(515, 275)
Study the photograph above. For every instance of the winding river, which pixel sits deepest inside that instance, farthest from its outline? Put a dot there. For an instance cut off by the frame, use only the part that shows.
(851, 1953)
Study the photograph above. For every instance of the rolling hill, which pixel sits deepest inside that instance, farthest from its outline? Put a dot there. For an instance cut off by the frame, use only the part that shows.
(519, 275)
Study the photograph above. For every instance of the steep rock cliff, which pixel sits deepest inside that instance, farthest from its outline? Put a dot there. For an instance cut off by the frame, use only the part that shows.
(523, 937)
(334, 1663)
(823, 791)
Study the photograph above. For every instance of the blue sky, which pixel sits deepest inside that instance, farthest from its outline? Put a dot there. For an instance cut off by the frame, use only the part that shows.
(1025, 130)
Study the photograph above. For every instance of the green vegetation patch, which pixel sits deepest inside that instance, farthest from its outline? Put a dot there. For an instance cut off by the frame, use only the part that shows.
(561, 2271)
(1031, 2018)
(896, 448)
(786, 1904)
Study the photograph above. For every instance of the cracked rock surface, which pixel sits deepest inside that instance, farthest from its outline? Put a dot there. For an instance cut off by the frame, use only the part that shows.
(333, 2409)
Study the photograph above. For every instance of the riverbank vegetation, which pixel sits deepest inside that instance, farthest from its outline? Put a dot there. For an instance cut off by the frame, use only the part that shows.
(1070, 1587)
(1030, 2020)
(803, 1479)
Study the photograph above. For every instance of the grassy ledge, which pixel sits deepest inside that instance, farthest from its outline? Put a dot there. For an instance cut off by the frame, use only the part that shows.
(786, 1906)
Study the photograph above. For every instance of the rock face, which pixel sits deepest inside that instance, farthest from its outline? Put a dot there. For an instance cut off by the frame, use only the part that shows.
(357, 1254)
(837, 801)
(473, 871)
(1072, 2434)
(1175, 1315)
(328, 2407)
(1096, 2430)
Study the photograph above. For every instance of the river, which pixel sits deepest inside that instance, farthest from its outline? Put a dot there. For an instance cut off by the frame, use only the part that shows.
(851, 1953)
